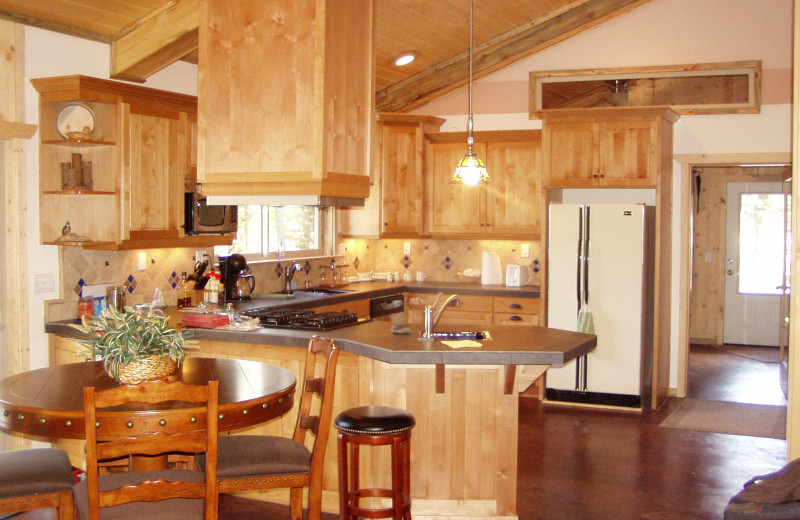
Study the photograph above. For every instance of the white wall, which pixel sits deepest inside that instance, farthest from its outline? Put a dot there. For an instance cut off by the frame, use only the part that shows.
(52, 54)
(661, 32)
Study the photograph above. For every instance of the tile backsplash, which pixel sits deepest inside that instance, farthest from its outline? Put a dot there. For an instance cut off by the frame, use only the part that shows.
(440, 260)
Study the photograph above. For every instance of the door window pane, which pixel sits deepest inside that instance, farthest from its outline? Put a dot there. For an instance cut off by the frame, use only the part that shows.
(761, 243)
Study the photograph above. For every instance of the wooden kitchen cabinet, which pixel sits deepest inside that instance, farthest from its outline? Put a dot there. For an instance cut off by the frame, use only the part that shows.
(360, 307)
(401, 159)
(138, 155)
(613, 147)
(515, 311)
(477, 310)
(508, 206)
(285, 99)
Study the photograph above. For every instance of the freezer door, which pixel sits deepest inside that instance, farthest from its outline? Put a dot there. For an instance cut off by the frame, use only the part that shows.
(562, 282)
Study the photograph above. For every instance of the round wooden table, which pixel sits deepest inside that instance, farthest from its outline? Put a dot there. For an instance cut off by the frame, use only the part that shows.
(49, 402)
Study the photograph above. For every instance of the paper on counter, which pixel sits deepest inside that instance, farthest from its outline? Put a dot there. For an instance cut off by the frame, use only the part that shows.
(463, 343)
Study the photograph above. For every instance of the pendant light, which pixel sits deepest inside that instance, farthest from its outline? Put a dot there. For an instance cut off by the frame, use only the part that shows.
(470, 169)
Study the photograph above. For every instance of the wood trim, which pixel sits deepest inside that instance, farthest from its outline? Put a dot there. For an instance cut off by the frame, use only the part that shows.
(12, 130)
(14, 339)
(501, 51)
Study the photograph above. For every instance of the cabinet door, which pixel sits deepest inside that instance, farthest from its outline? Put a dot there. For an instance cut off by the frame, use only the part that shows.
(568, 153)
(625, 153)
(401, 184)
(512, 202)
(453, 208)
(157, 165)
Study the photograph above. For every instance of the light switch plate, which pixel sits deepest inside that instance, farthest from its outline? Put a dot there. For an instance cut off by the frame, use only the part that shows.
(44, 283)
(526, 250)
(406, 248)
(142, 260)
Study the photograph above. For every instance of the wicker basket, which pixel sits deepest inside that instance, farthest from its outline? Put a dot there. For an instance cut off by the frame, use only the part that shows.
(147, 369)
(462, 278)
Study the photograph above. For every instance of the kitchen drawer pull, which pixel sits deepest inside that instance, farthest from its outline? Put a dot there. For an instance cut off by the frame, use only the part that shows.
(514, 318)
(515, 306)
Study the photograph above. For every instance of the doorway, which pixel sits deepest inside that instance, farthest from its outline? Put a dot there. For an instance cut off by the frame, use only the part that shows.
(699, 284)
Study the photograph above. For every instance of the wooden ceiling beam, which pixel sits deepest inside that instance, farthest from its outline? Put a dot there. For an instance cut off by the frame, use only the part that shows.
(159, 39)
(499, 52)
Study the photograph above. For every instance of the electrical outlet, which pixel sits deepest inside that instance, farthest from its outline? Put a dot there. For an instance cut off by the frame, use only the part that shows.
(342, 249)
(198, 256)
(406, 248)
(43, 283)
(526, 250)
(141, 260)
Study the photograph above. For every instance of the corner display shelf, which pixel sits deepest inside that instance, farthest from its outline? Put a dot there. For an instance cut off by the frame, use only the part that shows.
(114, 161)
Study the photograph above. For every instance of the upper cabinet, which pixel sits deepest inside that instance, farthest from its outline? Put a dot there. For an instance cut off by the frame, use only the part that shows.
(607, 147)
(113, 161)
(506, 207)
(285, 100)
(401, 162)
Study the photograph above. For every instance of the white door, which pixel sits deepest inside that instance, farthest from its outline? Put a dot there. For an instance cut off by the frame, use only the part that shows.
(754, 235)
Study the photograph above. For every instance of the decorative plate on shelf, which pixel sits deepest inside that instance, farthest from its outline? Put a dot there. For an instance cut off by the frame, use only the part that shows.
(73, 118)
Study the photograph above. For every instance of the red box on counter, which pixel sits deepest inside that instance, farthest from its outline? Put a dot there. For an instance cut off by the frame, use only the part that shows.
(206, 321)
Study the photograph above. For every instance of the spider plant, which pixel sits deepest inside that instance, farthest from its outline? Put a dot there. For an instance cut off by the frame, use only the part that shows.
(121, 338)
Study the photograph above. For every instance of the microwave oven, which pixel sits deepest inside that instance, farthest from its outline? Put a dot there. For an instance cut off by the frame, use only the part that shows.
(201, 218)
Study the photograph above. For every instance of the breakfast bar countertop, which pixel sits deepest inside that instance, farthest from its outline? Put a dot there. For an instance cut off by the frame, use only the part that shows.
(518, 345)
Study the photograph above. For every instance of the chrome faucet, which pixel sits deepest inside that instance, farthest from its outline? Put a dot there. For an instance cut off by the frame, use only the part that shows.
(293, 268)
(433, 313)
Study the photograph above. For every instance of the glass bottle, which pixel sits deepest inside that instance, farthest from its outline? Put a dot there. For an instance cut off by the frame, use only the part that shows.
(184, 292)
(85, 306)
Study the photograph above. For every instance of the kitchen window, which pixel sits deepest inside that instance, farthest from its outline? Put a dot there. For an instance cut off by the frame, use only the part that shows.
(276, 232)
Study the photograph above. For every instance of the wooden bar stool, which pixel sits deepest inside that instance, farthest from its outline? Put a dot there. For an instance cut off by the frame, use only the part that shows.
(376, 426)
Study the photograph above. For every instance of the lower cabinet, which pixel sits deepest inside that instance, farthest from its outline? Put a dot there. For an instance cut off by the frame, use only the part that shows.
(476, 310)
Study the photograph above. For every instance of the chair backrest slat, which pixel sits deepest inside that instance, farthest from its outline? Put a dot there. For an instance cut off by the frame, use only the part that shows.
(320, 350)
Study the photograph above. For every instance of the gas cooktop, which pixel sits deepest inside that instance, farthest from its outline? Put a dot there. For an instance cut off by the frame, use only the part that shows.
(303, 319)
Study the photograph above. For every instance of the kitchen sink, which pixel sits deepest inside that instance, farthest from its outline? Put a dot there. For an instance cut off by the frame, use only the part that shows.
(475, 334)
(319, 292)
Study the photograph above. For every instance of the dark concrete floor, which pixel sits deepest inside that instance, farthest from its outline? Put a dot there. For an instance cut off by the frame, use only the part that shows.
(581, 464)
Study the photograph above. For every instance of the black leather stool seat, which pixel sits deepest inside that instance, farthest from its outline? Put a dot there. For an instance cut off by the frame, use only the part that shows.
(374, 420)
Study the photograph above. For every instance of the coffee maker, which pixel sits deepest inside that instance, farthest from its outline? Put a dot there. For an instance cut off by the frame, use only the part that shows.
(239, 281)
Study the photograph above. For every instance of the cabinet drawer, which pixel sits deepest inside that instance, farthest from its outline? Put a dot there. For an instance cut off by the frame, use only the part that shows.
(451, 317)
(508, 318)
(516, 305)
(468, 302)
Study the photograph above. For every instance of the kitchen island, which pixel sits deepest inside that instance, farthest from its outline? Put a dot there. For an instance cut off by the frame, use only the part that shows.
(465, 401)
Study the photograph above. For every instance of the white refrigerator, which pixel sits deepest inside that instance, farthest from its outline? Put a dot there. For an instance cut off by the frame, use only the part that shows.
(600, 264)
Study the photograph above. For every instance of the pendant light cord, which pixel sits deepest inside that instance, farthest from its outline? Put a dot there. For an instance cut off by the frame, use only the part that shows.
(470, 139)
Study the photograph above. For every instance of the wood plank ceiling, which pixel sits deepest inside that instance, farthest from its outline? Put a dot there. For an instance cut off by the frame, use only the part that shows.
(438, 30)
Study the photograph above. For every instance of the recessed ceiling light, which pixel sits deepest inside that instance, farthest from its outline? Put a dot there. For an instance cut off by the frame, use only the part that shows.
(404, 58)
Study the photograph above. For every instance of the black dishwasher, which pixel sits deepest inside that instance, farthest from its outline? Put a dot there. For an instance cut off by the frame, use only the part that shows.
(388, 308)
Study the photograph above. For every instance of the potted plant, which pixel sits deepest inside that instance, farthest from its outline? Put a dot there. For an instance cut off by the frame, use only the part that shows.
(134, 346)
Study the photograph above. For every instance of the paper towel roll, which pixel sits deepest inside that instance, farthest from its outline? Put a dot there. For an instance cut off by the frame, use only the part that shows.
(490, 269)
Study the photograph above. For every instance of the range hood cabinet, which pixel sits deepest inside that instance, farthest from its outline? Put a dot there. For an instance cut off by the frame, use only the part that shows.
(285, 97)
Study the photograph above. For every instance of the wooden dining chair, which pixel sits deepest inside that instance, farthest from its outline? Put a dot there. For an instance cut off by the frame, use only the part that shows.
(38, 478)
(251, 462)
(186, 422)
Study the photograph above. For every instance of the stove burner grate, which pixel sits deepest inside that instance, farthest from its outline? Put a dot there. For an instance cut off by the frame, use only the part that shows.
(302, 319)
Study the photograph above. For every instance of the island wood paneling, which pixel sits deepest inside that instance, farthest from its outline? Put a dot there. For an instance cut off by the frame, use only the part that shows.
(707, 297)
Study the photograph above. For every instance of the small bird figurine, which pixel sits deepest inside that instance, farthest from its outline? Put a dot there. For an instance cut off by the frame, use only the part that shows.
(66, 229)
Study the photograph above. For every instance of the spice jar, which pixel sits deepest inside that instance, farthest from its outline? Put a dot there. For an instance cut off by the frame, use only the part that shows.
(85, 307)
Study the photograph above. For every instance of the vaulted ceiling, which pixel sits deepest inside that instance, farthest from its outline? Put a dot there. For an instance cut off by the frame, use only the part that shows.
(147, 35)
